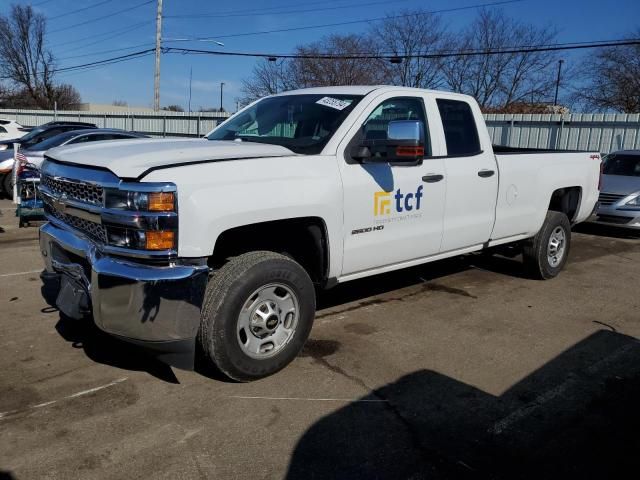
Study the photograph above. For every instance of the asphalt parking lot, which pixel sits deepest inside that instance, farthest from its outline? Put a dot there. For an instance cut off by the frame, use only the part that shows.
(459, 369)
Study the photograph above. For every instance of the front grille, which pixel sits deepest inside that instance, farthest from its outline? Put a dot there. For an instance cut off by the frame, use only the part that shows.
(91, 229)
(614, 219)
(79, 191)
(609, 198)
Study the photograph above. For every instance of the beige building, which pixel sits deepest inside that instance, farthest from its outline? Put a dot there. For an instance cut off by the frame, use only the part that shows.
(103, 107)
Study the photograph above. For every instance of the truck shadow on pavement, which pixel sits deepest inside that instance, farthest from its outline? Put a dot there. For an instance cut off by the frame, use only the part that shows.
(103, 348)
(575, 417)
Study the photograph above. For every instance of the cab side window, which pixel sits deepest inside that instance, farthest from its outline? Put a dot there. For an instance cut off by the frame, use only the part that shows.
(460, 130)
(401, 108)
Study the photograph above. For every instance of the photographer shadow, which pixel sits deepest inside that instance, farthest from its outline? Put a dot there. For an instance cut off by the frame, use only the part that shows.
(575, 417)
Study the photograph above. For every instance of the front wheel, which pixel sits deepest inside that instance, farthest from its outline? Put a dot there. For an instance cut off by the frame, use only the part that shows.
(546, 254)
(257, 315)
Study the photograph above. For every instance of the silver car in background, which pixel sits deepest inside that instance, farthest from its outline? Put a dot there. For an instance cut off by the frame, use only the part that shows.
(619, 202)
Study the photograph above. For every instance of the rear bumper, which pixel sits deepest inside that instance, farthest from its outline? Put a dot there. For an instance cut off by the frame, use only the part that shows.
(157, 307)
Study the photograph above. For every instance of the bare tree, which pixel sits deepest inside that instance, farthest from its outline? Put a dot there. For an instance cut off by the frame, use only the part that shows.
(269, 77)
(119, 103)
(174, 108)
(416, 33)
(315, 72)
(497, 81)
(28, 64)
(613, 75)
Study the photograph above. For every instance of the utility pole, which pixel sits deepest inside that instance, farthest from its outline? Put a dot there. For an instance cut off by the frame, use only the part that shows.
(221, 85)
(156, 79)
(555, 100)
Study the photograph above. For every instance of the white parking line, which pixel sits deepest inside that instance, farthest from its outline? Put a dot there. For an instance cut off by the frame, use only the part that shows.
(19, 273)
(350, 400)
(68, 397)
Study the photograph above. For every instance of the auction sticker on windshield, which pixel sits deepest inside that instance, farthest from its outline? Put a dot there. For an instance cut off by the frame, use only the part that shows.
(334, 103)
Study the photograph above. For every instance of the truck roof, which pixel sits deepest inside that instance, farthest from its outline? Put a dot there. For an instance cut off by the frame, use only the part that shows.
(364, 90)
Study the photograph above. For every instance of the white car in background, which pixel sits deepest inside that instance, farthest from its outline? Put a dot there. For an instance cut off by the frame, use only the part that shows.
(11, 129)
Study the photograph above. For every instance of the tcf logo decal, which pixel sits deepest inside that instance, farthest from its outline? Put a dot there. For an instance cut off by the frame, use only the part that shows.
(404, 202)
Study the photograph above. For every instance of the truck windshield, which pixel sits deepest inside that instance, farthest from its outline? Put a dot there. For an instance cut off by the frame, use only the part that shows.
(301, 123)
(621, 164)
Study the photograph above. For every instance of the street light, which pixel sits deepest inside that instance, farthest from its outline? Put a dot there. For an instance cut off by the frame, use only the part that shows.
(193, 40)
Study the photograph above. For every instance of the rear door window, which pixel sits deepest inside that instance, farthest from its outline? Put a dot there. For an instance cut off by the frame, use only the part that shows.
(460, 131)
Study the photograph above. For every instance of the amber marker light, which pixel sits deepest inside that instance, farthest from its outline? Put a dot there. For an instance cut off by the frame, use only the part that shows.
(161, 202)
(163, 240)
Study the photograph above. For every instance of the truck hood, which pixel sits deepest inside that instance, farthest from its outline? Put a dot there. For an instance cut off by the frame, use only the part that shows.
(620, 184)
(134, 158)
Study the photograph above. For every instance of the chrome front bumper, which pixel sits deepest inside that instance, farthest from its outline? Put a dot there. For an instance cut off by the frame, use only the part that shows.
(142, 303)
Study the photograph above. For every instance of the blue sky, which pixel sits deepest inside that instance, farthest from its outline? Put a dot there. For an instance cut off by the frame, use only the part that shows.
(132, 81)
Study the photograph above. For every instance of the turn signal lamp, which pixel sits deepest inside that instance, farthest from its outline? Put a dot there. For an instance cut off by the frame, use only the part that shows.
(159, 240)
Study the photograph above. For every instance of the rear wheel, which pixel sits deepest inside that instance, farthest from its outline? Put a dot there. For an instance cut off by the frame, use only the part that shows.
(258, 312)
(546, 254)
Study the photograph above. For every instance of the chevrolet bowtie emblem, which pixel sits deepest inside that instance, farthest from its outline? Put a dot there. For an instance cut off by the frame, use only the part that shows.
(60, 203)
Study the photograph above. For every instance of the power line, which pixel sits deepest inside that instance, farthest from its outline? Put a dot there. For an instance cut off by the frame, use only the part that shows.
(97, 19)
(267, 9)
(106, 61)
(150, 51)
(110, 35)
(106, 51)
(80, 10)
(367, 20)
(257, 13)
(375, 56)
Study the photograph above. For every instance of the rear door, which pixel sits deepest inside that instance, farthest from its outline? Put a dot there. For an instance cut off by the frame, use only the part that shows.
(471, 174)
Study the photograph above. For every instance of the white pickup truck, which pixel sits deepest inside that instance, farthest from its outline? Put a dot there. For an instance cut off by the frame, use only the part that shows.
(217, 246)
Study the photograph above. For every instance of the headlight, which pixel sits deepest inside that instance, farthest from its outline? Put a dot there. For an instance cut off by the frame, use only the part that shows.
(4, 147)
(141, 216)
(634, 202)
(141, 201)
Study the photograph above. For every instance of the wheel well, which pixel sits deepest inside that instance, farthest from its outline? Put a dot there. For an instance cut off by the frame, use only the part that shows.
(303, 239)
(567, 201)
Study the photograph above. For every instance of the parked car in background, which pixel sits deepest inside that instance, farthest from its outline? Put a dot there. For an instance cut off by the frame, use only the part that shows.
(36, 135)
(619, 202)
(35, 154)
(9, 129)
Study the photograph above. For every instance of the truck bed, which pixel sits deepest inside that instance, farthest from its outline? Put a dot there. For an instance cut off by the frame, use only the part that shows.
(506, 150)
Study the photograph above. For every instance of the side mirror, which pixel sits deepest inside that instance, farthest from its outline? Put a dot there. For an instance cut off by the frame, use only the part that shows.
(404, 145)
(406, 131)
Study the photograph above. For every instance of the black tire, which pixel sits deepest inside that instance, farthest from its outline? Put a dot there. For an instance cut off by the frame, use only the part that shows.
(537, 263)
(227, 294)
(5, 185)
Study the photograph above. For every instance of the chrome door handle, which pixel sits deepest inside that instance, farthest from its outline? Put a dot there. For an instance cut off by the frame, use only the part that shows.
(432, 178)
(486, 173)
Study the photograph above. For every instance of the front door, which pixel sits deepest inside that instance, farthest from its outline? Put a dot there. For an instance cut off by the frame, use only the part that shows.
(392, 213)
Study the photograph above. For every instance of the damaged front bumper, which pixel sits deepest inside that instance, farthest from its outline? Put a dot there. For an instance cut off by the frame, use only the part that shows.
(154, 306)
